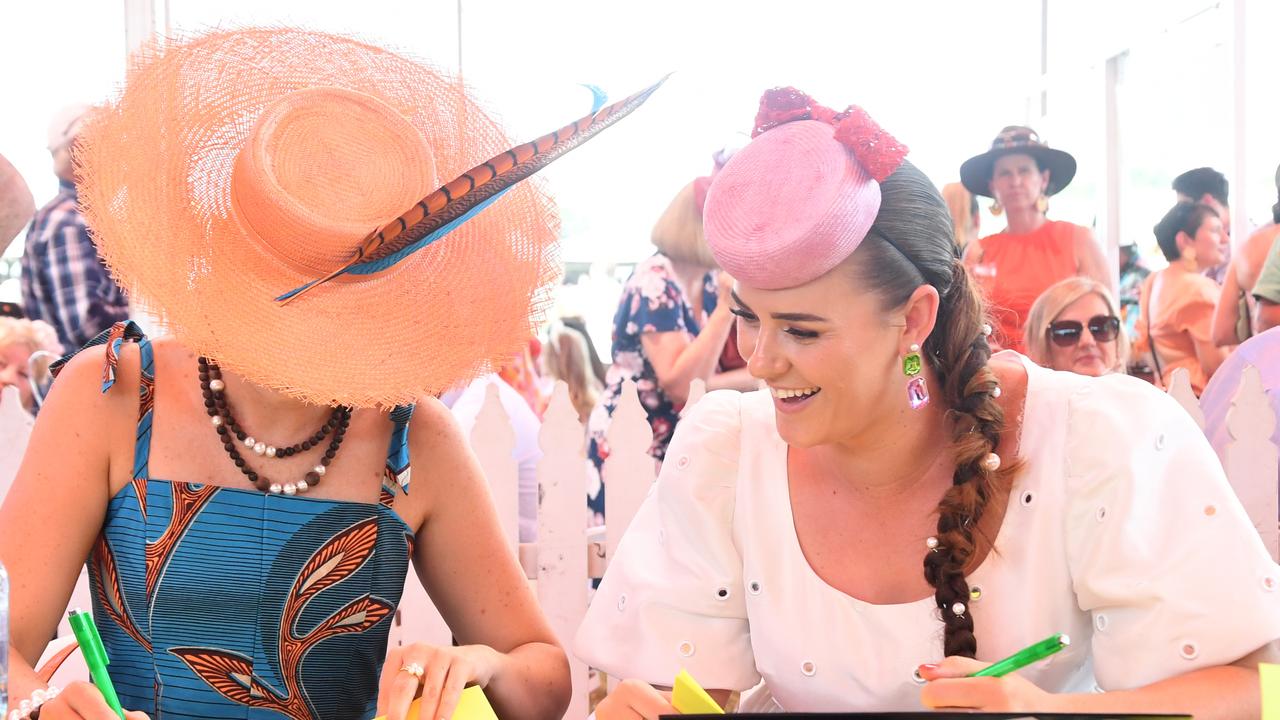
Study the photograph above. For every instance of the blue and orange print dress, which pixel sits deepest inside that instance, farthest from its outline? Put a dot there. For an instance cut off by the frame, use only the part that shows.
(217, 602)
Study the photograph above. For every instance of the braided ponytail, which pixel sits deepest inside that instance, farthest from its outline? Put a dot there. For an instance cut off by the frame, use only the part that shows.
(911, 244)
(960, 356)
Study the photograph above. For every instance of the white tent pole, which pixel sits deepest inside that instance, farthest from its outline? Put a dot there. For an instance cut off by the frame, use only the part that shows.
(139, 23)
(1115, 165)
(1240, 172)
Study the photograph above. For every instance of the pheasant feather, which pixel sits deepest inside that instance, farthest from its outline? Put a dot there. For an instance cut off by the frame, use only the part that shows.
(455, 202)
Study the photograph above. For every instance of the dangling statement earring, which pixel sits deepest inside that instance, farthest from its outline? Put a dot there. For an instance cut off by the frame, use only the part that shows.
(995, 208)
(1042, 204)
(917, 391)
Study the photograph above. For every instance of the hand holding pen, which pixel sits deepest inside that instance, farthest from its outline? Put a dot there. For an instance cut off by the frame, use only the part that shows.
(81, 700)
(959, 682)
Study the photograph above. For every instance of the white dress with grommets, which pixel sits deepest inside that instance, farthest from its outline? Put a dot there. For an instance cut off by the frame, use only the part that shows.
(1123, 533)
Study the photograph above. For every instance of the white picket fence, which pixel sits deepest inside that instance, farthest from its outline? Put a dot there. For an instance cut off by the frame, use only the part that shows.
(568, 553)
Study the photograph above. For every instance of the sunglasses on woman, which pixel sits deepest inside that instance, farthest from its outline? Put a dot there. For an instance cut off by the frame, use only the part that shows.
(1066, 333)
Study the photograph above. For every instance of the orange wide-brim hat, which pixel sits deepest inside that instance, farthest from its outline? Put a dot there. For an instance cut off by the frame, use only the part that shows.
(239, 165)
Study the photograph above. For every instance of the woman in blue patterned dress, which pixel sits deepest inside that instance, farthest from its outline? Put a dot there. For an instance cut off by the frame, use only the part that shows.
(671, 327)
(243, 563)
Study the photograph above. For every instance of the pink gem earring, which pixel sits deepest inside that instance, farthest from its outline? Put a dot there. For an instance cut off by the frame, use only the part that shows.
(917, 391)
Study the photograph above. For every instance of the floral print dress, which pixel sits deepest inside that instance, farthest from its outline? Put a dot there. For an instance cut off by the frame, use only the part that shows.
(652, 302)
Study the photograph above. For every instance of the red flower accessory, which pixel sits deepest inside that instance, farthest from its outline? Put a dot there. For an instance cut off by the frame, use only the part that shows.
(783, 105)
(877, 151)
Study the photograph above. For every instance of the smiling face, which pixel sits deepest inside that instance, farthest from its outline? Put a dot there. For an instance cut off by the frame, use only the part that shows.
(1088, 356)
(831, 354)
(1017, 181)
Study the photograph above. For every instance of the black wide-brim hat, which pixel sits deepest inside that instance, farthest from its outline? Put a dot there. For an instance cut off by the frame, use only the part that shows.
(976, 172)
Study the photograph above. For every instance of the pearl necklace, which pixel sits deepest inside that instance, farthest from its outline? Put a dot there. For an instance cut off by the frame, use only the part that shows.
(229, 431)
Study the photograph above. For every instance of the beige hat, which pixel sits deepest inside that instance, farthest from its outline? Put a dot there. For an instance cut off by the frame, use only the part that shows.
(16, 203)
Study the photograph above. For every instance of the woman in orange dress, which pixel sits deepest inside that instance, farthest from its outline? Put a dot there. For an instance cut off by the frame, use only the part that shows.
(1015, 266)
(1177, 304)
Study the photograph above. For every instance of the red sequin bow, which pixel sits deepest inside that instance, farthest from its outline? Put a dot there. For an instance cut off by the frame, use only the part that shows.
(877, 151)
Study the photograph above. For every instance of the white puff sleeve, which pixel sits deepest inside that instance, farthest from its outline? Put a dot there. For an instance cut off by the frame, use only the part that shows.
(1162, 554)
(672, 598)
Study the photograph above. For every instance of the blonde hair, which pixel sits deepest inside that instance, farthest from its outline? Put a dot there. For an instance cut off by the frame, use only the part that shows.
(678, 233)
(38, 334)
(960, 203)
(566, 358)
(1052, 302)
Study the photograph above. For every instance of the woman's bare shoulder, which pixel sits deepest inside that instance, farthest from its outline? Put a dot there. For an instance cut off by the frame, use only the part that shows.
(433, 427)
(82, 380)
(87, 422)
(438, 449)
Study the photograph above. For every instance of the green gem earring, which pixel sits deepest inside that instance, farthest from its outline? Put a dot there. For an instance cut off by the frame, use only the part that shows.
(917, 391)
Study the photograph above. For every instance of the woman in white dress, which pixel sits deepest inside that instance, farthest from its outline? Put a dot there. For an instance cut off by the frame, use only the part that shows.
(900, 508)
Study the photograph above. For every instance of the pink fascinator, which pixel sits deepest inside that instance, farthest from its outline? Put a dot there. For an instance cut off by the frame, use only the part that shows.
(802, 195)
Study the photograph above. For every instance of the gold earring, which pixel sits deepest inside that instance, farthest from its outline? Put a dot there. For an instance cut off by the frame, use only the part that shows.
(1042, 204)
(995, 208)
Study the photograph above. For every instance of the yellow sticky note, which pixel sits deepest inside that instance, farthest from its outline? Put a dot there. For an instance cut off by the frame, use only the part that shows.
(473, 705)
(688, 697)
(1269, 679)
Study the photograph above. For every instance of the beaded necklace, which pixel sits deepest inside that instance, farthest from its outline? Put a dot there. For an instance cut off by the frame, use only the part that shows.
(233, 435)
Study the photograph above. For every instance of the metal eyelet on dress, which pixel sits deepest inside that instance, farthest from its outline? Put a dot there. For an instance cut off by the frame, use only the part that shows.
(1027, 498)
(682, 462)
(1189, 650)
(808, 668)
(1102, 513)
(754, 587)
(622, 602)
(722, 593)
(686, 648)
(1160, 441)
(1100, 622)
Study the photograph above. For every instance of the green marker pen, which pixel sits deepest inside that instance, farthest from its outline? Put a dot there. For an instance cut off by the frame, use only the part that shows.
(1025, 657)
(95, 656)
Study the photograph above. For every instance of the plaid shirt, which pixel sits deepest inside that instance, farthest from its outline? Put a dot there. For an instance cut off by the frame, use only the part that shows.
(63, 281)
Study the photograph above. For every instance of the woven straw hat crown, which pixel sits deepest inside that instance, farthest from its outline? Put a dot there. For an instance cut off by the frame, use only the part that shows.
(320, 168)
(789, 207)
(237, 165)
